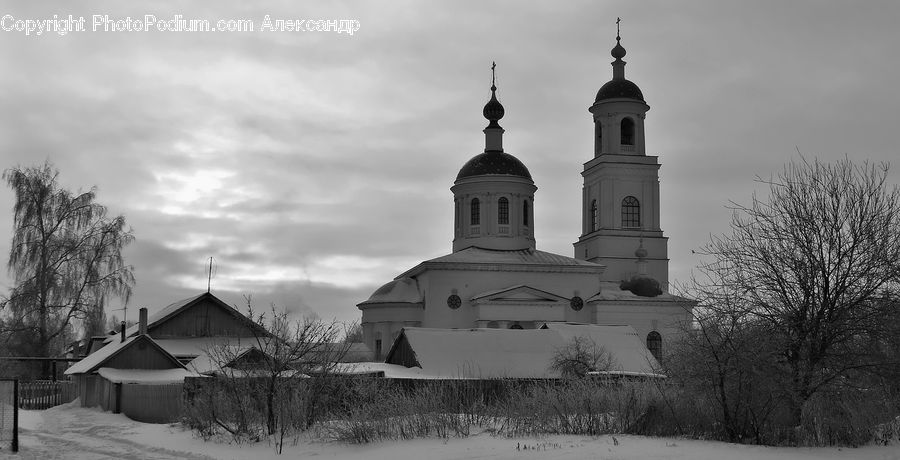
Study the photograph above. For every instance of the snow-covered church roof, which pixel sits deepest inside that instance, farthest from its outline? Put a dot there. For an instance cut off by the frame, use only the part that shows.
(510, 353)
(474, 258)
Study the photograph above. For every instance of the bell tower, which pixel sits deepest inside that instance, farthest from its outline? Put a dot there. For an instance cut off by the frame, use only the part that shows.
(620, 197)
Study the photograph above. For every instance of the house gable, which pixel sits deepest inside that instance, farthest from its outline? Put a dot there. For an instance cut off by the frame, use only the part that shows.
(202, 316)
(402, 352)
(140, 352)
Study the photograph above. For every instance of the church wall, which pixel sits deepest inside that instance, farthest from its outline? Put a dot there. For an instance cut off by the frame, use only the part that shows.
(609, 184)
(385, 322)
(665, 319)
(439, 284)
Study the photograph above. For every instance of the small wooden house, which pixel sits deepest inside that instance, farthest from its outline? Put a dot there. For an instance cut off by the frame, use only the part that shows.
(135, 366)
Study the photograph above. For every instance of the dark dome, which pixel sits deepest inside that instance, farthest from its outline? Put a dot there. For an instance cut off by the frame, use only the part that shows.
(619, 88)
(493, 110)
(493, 163)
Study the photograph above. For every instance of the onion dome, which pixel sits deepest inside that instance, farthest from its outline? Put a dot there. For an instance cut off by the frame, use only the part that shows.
(618, 51)
(640, 252)
(493, 110)
(619, 87)
(493, 161)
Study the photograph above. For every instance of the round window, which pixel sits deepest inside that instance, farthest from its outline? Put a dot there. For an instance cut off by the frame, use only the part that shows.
(576, 303)
(454, 301)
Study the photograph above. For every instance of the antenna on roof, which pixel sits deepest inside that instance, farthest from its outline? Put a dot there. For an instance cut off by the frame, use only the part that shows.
(124, 312)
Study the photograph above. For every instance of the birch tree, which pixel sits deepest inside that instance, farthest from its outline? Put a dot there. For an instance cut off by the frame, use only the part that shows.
(65, 257)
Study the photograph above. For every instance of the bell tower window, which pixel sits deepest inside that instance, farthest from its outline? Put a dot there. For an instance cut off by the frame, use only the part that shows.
(631, 212)
(475, 212)
(503, 211)
(599, 130)
(594, 216)
(627, 131)
(525, 213)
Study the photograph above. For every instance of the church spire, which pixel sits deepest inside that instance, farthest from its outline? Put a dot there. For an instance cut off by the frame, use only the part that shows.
(493, 111)
(618, 52)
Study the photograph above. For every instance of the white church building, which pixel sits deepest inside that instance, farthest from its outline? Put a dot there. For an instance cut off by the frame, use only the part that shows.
(497, 278)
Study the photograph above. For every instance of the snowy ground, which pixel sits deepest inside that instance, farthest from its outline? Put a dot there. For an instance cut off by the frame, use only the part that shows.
(71, 432)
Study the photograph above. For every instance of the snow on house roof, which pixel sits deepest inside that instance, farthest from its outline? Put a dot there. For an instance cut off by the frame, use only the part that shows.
(509, 353)
(146, 376)
(98, 356)
(95, 360)
(207, 351)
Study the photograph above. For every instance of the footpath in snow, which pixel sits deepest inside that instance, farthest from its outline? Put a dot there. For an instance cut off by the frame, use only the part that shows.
(72, 432)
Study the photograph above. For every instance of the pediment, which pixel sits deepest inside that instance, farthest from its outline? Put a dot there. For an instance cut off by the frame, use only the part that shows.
(517, 294)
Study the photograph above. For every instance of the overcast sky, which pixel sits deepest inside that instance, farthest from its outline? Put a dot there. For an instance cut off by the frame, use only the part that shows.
(316, 166)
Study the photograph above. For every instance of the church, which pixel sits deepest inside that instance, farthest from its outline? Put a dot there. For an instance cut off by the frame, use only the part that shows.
(495, 277)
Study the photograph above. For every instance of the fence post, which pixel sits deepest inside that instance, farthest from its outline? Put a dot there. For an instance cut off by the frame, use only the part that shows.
(15, 439)
(118, 389)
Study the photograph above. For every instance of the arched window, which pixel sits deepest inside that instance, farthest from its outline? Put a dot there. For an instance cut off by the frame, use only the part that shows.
(631, 212)
(503, 211)
(525, 213)
(654, 344)
(516, 326)
(377, 346)
(476, 212)
(599, 131)
(627, 131)
(594, 223)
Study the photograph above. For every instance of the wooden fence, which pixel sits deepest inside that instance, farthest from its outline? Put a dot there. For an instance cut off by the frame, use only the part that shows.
(44, 394)
(152, 403)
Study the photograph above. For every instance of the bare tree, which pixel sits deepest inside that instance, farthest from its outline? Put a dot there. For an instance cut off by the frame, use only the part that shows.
(727, 361)
(816, 265)
(66, 256)
(287, 372)
(580, 356)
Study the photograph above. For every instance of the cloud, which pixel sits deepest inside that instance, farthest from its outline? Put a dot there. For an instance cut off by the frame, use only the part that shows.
(316, 166)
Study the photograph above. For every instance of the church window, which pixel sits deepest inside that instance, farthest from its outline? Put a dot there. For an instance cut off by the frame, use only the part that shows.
(378, 346)
(525, 213)
(577, 303)
(627, 131)
(631, 212)
(594, 215)
(516, 326)
(476, 212)
(454, 301)
(503, 211)
(654, 344)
